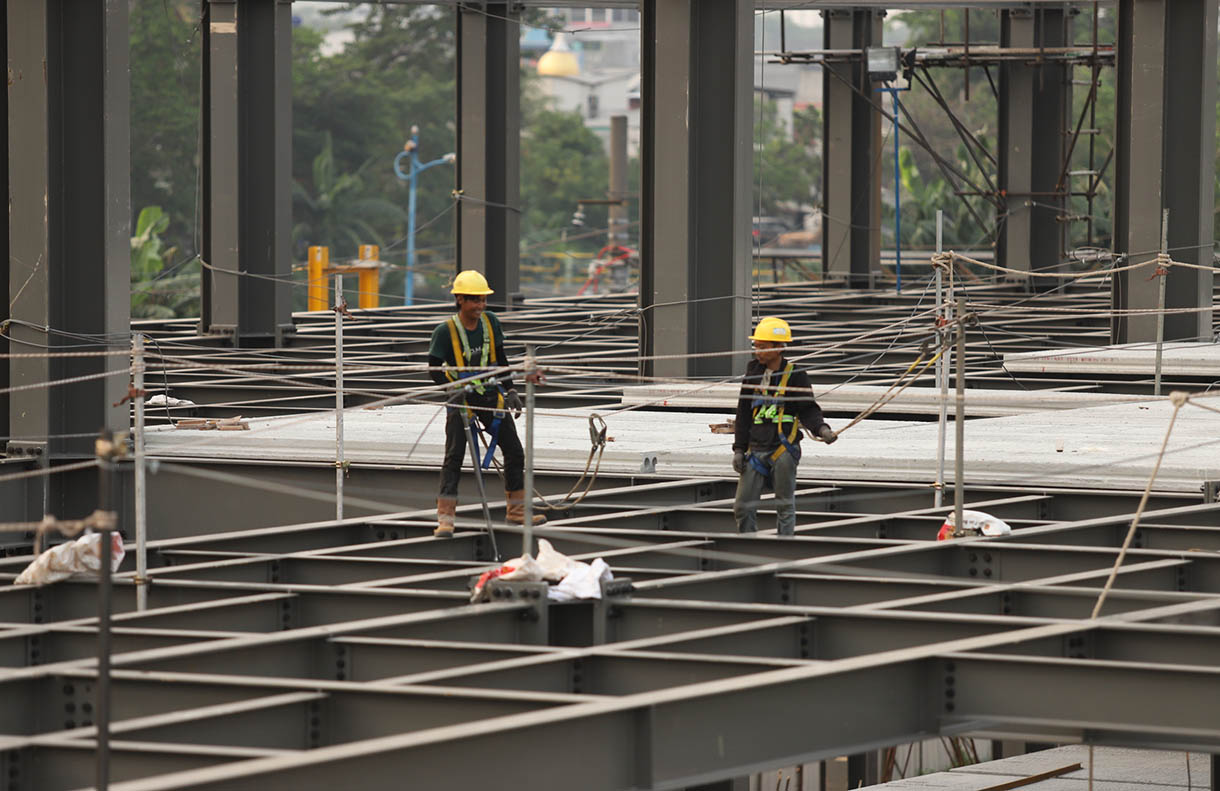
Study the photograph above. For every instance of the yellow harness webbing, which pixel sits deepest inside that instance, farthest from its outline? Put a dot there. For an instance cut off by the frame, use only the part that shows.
(780, 417)
(461, 349)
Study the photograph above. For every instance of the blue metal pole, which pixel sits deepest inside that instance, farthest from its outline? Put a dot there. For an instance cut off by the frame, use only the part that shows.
(897, 198)
(411, 176)
(409, 286)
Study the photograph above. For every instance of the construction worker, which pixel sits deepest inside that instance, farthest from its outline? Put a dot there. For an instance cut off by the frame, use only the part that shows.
(767, 445)
(464, 348)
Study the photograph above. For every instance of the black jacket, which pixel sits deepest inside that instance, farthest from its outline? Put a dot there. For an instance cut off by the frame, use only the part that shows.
(797, 400)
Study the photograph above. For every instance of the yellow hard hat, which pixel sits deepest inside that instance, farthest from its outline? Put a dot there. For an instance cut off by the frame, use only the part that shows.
(471, 283)
(772, 328)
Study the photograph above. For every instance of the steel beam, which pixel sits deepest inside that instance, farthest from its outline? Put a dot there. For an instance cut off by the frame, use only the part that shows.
(1035, 102)
(69, 220)
(221, 168)
(1165, 159)
(247, 170)
(851, 175)
(489, 145)
(264, 42)
(697, 157)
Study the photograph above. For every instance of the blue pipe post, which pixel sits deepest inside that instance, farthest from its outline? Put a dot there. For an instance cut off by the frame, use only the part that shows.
(411, 152)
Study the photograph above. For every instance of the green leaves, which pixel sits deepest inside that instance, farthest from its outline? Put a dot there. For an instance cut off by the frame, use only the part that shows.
(340, 213)
(160, 290)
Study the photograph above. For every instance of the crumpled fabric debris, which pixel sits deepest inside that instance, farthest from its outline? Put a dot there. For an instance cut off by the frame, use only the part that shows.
(583, 581)
(974, 523)
(59, 563)
(522, 569)
(570, 579)
(161, 399)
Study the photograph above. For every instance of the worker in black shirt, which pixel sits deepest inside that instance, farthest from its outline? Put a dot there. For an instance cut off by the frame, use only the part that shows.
(464, 348)
(766, 448)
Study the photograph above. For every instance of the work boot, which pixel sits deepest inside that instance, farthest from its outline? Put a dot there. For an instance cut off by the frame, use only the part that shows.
(446, 507)
(514, 509)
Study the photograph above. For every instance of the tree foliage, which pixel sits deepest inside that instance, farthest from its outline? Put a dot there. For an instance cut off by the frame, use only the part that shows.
(787, 163)
(353, 108)
(160, 288)
(562, 162)
(165, 61)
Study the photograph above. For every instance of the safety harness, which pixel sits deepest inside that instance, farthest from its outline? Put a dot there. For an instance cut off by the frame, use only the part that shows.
(461, 353)
(770, 408)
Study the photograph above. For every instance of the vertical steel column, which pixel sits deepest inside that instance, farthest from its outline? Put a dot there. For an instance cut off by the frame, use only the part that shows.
(69, 219)
(1165, 156)
(697, 162)
(1035, 114)
(264, 43)
(221, 169)
(851, 135)
(489, 145)
(247, 167)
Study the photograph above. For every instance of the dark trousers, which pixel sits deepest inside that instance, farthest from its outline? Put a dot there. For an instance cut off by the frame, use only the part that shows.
(457, 449)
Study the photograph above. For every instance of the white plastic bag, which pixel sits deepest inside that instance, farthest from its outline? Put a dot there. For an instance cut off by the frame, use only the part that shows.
(974, 523)
(582, 582)
(525, 569)
(63, 561)
(554, 564)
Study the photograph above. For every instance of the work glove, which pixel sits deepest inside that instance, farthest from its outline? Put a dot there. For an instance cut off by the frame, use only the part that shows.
(512, 402)
(739, 461)
(827, 434)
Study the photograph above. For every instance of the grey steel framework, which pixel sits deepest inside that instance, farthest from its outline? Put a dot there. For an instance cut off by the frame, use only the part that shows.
(328, 653)
(334, 654)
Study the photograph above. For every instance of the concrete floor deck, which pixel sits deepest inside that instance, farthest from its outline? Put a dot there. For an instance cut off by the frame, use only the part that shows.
(1114, 769)
(1178, 359)
(1110, 447)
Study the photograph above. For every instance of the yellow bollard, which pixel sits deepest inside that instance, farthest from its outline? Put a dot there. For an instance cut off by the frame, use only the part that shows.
(319, 262)
(370, 275)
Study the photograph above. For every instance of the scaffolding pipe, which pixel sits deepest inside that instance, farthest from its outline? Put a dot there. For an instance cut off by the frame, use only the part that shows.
(137, 369)
(530, 375)
(339, 307)
(1162, 274)
(941, 381)
(960, 417)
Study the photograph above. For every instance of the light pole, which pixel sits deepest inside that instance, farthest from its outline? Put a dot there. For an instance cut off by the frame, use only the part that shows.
(883, 64)
(411, 152)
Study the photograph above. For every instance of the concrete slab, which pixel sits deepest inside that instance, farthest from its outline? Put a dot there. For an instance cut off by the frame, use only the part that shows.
(1110, 447)
(1114, 769)
(915, 400)
(1177, 359)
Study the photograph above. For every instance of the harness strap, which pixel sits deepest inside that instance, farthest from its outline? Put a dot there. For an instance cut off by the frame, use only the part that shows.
(461, 351)
(787, 444)
(493, 429)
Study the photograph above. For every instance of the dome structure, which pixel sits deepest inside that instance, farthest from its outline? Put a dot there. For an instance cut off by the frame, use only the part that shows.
(559, 60)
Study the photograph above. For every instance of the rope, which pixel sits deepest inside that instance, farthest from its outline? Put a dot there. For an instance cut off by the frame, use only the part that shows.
(1178, 399)
(98, 520)
(1161, 260)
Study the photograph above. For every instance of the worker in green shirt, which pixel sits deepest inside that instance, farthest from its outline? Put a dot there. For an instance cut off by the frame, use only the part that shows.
(465, 348)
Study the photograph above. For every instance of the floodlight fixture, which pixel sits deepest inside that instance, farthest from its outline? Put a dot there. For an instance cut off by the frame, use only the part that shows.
(883, 63)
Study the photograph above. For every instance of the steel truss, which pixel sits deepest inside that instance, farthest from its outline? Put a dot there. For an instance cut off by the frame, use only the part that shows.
(311, 655)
